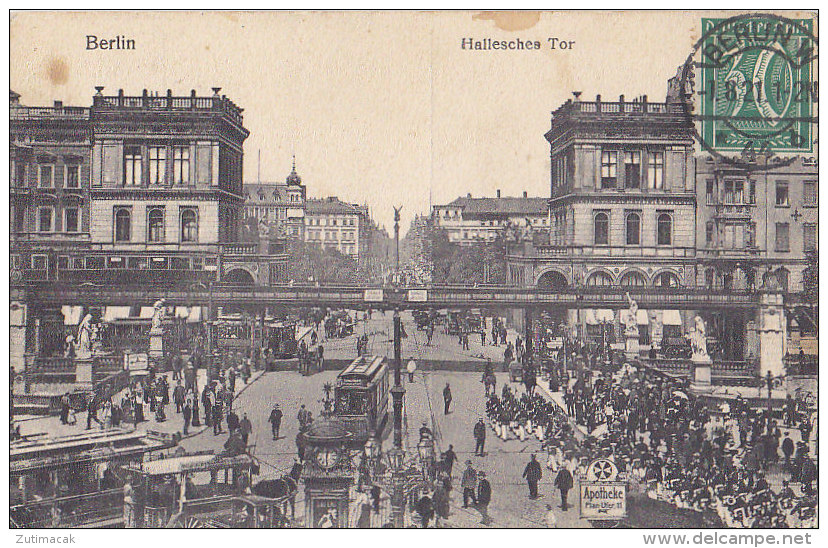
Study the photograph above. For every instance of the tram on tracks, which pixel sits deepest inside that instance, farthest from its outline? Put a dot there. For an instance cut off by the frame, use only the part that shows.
(361, 397)
(203, 490)
(75, 480)
(237, 334)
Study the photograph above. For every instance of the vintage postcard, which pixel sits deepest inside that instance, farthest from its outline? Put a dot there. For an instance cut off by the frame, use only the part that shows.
(414, 269)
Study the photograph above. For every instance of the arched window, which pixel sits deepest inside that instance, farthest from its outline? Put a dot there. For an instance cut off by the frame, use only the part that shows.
(633, 229)
(666, 279)
(189, 225)
(633, 279)
(155, 225)
(665, 229)
(599, 279)
(123, 225)
(601, 224)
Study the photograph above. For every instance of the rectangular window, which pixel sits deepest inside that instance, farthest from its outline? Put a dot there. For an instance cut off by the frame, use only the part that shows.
(20, 174)
(711, 192)
(72, 177)
(782, 198)
(38, 262)
(71, 219)
(809, 237)
(734, 192)
(63, 262)
(44, 219)
(710, 233)
(655, 170)
(752, 192)
(157, 165)
(809, 193)
(181, 165)
(750, 237)
(783, 237)
(609, 166)
(632, 169)
(132, 166)
(47, 176)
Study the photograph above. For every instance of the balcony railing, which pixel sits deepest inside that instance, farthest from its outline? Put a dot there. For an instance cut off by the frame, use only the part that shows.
(46, 113)
(240, 248)
(545, 250)
(619, 107)
(169, 103)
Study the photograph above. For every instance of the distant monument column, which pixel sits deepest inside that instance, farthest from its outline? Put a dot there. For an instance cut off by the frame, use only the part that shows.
(156, 333)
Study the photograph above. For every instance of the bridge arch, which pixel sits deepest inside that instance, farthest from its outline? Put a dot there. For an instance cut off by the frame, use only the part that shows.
(666, 278)
(633, 277)
(239, 275)
(600, 278)
(552, 279)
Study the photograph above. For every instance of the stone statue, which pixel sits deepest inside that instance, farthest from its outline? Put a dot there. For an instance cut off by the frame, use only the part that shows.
(83, 348)
(698, 339)
(632, 317)
(158, 316)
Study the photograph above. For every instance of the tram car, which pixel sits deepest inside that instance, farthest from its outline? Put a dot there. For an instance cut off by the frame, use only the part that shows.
(361, 397)
(203, 491)
(280, 339)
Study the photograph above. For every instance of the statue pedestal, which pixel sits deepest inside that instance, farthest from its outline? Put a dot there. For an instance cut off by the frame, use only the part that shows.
(702, 369)
(156, 346)
(83, 373)
(631, 346)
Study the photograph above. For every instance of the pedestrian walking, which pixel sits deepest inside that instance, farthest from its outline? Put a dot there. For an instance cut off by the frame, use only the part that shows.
(449, 457)
(303, 417)
(469, 484)
(178, 396)
(479, 438)
(187, 411)
(218, 415)
(484, 497)
(233, 422)
(245, 427)
(425, 509)
(564, 483)
(275, 421)
(207, 402)
(446, 399)
(533, 474)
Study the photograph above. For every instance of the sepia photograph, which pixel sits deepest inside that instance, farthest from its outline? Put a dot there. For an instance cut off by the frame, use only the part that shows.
(414, 269)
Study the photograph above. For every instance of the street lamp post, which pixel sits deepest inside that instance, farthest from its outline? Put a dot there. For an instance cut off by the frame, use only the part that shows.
(396, 454)
(397, 243)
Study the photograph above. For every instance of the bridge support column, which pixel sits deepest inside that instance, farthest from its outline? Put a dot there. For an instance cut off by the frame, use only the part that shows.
(771, 326)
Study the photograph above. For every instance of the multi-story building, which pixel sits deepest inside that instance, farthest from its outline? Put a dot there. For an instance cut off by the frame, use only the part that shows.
(339, 225)
(135, 188)
(280, 204)
(755, 226)
(50, 166)
(468, 220)
(622, 206)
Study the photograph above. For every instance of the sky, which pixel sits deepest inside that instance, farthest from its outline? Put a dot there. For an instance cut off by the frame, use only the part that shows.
(382, 108)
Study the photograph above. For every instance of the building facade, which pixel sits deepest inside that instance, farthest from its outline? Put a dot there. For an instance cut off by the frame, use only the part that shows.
(469, 220)
(339, 225)
(281, 204)
(756, 226)
(134, 188)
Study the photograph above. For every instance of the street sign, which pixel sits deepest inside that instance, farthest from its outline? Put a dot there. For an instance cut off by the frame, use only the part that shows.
(603, 500)
(417, 295)
(136, 362)
(373, 296)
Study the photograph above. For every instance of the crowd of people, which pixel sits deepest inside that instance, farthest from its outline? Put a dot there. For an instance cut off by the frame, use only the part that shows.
(728, 461)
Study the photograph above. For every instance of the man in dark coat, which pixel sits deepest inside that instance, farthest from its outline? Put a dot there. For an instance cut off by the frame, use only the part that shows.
(449, 457)
(533, 475)
(232, 421)
(188, 413)
(446, 399)
(275, 421)
(484, 497)
(425, 508)
(787, 449)
(208, 406)
(479, 437)
(564, 483)
(178, 396)
(245, 427)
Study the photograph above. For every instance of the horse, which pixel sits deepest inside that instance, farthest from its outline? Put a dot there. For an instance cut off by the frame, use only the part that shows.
(286, 486)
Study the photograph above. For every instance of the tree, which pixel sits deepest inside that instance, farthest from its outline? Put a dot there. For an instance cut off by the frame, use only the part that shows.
(310, 262)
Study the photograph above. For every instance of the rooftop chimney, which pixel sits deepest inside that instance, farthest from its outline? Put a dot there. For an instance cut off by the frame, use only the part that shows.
(577, 95)
(498, 193)
(620, 98)
(468, 195)
(58, 104)
(525, 194)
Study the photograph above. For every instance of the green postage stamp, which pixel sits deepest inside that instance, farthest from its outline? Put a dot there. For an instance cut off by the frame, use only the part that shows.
(757, 90)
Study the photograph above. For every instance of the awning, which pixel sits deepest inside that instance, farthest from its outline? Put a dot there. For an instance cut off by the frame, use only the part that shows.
(195, 315)
(642, 318)
(605, 315)
(590, 318)
(71, 314)
(671, 317)
(146, 312)
(112, 313)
